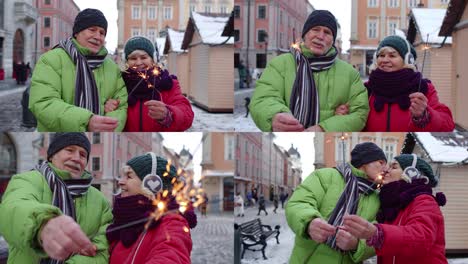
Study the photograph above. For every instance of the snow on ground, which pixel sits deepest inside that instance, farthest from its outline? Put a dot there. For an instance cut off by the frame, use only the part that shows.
(211, 122)
(279, 253)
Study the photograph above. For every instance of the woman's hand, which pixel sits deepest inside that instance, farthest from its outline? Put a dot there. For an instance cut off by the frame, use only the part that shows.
(358, 226)
(157, 109)
(111, 105)
(342, 109)
(418, 104)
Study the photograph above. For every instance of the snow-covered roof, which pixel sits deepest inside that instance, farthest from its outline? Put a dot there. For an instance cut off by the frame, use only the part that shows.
(211, 28)
(216, 173)
(449, 148)
(363, 47)
(176, 39)
(160, 42)
(429, 21)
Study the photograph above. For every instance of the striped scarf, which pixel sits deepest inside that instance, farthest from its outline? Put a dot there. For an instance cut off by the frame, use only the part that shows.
(64, 191)
(304, 102)
(348, 201)
(86, 92)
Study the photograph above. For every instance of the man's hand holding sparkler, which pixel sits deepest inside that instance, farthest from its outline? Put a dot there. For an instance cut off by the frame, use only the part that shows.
(99, 123)
(286, 122)
(319, 230)
(62, 237)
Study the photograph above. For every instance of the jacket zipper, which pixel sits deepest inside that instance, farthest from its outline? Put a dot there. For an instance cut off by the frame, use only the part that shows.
(388, 117)
(141, 115)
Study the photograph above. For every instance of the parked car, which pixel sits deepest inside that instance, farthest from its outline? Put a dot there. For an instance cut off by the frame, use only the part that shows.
(3, 251)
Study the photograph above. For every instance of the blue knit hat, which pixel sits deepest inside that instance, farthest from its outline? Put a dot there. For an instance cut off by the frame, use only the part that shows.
(139, 43)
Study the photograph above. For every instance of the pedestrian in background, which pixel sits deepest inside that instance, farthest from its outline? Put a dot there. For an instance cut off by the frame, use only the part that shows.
(238, 205)
(261, 205)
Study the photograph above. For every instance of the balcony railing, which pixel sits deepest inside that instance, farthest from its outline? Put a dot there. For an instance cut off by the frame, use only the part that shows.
(26, 12)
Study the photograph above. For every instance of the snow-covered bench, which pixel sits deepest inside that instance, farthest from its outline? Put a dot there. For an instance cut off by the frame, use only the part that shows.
(254, 233)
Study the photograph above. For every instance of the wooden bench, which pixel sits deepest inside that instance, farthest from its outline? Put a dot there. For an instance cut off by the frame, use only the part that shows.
(253, 233)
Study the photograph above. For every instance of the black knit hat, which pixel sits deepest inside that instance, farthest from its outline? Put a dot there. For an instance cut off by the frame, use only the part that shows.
(139, 43)
(62, 140)
(88, 18)
(366, 152)
(320, 18)
(399, 44)
(406, 160)
(142, 167)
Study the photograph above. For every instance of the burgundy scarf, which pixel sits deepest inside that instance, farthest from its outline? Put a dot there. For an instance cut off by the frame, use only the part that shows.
(137, 207)
(140, 88)
(397, 195)
(395, 87)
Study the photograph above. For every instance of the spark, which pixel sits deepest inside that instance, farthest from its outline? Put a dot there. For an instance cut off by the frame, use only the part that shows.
(186, 230)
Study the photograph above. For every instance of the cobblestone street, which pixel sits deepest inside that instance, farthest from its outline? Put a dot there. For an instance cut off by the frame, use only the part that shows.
(213, 239)
(10, 106)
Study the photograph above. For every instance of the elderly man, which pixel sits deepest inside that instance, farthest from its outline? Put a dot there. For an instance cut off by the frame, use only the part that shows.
(304, 89)
(316, 209)
(72, 82)
(52, 214)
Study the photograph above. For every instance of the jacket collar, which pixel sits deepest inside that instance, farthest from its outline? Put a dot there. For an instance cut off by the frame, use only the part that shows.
(65, 175)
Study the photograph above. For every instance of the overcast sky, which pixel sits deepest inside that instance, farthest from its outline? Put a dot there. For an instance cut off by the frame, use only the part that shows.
(304, 142)
(341, 9)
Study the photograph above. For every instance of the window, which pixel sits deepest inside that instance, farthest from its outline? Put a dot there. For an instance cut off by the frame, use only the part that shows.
(206, 150)
(413, 3)
(135, 32)
(46, 42)
(207, 9)
(223, 9)
(444, 1)
(392, 25)
(261, 12)
(192, 8)
(389, 150)
(281, 37)
(47, 22)
(152, 34)
(236, 35)
(372, 3)
(339, 149)
(393, 3)
(261, 35)
(229, 147)
(152, 12)
(46, 2)
(136, 12)
(96, 164)
(236, 11)
(372, 29)
(97, 138)
(167, 13)
(281, 17)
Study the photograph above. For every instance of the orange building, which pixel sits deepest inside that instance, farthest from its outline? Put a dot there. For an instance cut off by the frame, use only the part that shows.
(329, 146)
(147, 18)
(55, 23)
(373, 20)
(217, 164)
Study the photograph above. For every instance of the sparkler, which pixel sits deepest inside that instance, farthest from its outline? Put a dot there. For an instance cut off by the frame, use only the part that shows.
(425, 48)
(146, 76)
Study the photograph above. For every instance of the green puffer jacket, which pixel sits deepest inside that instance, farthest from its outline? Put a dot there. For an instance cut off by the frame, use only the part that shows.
(317, 197)
(26, 206)
(53, 92)
(341, 84)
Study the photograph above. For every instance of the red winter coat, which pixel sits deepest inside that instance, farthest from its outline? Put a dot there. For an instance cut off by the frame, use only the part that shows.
(400, 120)
(416, 236)
(182, 114)
(167, 243)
